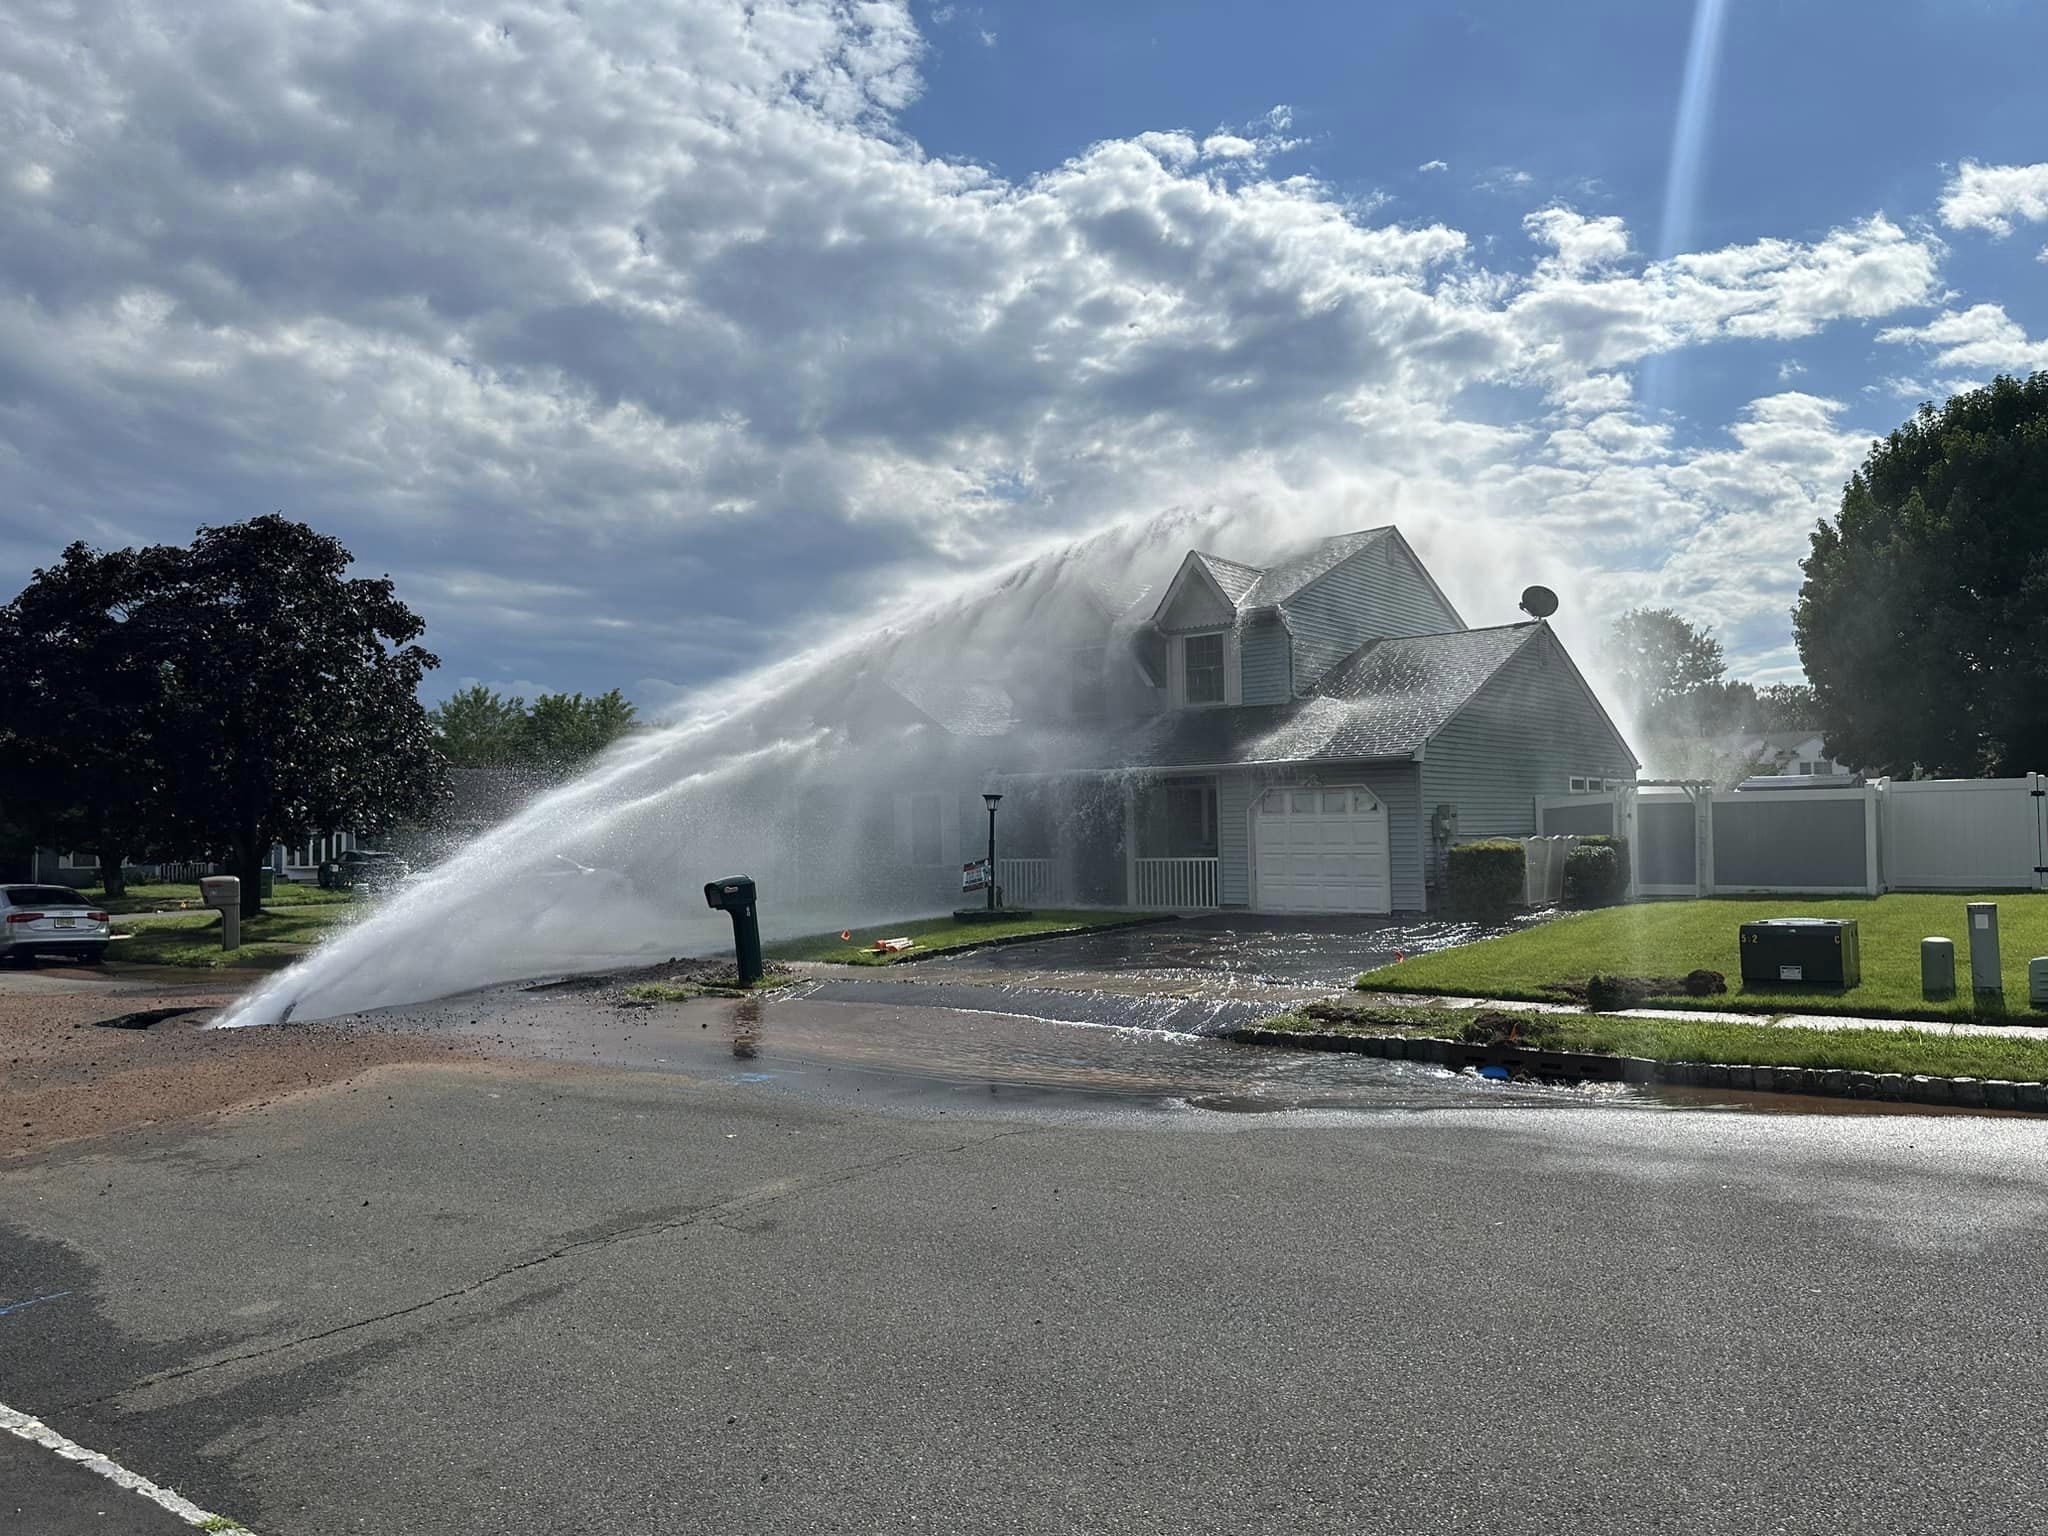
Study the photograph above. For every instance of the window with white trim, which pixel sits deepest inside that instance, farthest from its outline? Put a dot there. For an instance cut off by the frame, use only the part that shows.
(1202, 669)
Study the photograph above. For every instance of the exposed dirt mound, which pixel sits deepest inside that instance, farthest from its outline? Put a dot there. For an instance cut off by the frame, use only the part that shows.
(1604, 994)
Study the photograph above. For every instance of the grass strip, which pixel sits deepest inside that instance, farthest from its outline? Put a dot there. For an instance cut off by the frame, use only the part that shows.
(1669, 938)
(1904, 1050)
(164, 896)
(683, 992)
(935, 935)
(192, 939)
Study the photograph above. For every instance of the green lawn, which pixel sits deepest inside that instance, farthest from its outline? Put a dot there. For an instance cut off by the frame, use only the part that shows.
(934, 934)
(155, 898)
(1671, 938)
(271, 938)
(1757, 1045)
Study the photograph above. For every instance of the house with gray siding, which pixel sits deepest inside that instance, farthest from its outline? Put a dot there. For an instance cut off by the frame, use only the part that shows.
(1307, 737)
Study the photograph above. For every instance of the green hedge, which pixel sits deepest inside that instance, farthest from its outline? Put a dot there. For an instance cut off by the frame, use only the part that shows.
(1485, 877)
(1596, 872)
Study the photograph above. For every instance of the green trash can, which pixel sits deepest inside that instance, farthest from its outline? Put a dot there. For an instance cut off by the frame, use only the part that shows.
(268, 884)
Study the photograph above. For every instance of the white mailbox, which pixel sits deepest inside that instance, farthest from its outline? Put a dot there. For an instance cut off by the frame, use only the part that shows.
(221, 892)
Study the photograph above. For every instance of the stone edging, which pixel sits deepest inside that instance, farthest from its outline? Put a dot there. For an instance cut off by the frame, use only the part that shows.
(1892, 1087)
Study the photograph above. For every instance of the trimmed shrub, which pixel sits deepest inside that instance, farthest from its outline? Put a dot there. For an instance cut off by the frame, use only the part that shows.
(1596, 871)
(1485, 877)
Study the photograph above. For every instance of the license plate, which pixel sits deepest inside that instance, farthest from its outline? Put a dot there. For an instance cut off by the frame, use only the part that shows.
(65, 922)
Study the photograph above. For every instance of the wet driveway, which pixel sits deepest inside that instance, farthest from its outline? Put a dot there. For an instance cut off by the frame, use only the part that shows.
(1313, 952)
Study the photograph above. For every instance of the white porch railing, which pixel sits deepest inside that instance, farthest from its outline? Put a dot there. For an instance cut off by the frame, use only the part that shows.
(1174, 885)
(1029, 882)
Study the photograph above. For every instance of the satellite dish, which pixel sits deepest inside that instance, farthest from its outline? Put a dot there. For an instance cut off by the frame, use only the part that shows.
(1539, 602)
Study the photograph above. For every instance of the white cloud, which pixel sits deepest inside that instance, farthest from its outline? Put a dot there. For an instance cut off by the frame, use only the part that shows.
(1503, 178)
(1434, 165)
(1982, 336)
(988, 38)
(663, 320)
(1991, 197)
(1790, 369)
(1581, 243)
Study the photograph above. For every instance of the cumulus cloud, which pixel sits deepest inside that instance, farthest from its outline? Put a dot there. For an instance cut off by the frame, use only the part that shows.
(663, 321)
(1982, 336)
(1581, 243)
(1991, 197)
(1433, 165)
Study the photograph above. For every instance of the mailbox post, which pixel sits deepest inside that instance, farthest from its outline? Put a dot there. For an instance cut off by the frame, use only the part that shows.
(735, 894)
(224, 894)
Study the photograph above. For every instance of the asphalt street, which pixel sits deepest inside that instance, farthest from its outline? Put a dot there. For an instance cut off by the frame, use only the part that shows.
(703, 1293)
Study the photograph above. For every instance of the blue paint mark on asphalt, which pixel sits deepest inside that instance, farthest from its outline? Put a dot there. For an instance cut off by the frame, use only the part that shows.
(754, 1077)
(16, 1306)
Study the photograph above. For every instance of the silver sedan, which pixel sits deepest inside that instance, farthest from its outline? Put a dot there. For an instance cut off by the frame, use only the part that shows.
(51, 920)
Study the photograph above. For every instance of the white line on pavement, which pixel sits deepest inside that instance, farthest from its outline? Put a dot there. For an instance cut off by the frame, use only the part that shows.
(36, 1431)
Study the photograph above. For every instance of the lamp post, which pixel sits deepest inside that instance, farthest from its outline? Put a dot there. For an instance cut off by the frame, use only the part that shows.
(991, 801)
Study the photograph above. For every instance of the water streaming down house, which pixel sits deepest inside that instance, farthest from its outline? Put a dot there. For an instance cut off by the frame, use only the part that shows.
(1171, 729)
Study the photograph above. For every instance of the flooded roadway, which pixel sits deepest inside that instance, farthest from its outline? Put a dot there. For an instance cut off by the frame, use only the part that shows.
(937, 1048)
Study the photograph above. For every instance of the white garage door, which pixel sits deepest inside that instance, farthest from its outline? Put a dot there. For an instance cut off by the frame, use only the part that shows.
(1321, 850)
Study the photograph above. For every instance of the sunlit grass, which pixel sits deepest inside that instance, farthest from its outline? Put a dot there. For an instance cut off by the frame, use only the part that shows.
(1671, 938)
(163, 896)
(273, 937)
(1760, 1045)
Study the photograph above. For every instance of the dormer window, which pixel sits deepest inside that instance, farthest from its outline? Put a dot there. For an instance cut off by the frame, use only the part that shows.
(1202, 666)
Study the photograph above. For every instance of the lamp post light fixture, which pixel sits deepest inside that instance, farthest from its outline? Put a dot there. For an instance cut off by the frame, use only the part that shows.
(991, 800)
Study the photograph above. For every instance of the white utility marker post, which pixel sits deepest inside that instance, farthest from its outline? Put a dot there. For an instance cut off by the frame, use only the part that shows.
(224, 894)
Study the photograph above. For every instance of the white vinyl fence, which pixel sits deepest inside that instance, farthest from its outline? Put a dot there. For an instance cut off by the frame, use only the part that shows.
(1030, 882)
(1927, 835)
(1965, 834)
(1174, 885)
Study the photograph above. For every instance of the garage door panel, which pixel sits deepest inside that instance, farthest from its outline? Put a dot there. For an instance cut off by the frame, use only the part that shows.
(1322, 851)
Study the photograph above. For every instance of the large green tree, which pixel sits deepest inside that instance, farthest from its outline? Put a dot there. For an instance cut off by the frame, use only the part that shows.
(1923, 620)
(1667, 670)
(83, 710)
(293, 701)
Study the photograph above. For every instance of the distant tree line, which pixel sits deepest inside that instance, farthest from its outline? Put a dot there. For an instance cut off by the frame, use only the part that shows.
(481, 728)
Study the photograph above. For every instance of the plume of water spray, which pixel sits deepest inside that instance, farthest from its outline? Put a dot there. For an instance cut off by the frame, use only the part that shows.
(794, 774)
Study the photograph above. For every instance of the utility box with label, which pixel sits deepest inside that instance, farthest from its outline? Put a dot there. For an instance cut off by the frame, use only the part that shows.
(1808, 951)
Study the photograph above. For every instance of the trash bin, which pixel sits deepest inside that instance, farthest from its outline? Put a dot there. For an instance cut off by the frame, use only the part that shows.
(266, 886)
(329, 876)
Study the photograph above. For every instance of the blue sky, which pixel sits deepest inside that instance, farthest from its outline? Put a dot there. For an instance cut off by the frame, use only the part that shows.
(642, 342)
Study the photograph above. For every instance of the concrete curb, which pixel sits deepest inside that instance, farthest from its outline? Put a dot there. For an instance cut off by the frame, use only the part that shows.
(1456, 1055)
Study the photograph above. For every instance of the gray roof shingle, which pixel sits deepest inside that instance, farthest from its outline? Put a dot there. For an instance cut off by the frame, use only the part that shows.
(1278, 583)
(1384, 701)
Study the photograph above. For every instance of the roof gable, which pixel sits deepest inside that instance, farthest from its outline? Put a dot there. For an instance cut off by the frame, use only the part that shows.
(1197, 597)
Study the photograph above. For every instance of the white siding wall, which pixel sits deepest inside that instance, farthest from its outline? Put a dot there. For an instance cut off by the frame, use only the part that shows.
(1376, 594)
(1525, 734)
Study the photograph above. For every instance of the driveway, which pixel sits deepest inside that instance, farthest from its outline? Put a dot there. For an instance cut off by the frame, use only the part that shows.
(1319, 953)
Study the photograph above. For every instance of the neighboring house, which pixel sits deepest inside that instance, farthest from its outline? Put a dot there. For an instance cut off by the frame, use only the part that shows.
(1726, 760)
(1307, 737)
(1795, 752)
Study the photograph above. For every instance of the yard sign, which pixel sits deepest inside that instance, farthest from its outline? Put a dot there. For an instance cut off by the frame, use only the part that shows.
(974, 877)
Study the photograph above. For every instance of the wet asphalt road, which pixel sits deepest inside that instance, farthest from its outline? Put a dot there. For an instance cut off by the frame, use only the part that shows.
(748, 1281)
